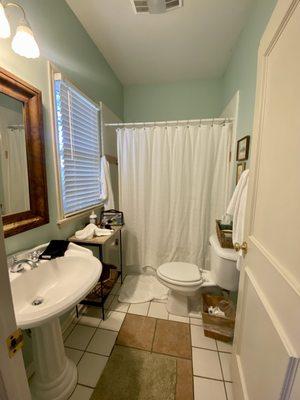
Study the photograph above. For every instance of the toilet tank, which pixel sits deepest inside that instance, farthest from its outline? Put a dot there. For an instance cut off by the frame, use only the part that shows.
(223, 265)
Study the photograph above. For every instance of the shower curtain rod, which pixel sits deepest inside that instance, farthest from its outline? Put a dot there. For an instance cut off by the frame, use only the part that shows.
(185, 121)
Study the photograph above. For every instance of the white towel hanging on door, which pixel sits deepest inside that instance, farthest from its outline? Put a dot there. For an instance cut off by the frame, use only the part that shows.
(237, 209)
(107, 191)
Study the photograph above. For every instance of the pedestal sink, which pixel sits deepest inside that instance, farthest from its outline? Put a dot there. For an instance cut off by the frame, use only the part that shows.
(40, 296)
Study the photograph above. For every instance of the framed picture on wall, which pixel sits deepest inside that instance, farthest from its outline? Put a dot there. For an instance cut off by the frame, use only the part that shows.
(240, 167)
(242, 151)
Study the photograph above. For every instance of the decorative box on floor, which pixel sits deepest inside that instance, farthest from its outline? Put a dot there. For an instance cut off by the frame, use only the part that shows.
(215, 327)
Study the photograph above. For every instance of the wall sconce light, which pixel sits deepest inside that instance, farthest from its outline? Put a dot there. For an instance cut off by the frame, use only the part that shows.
(23, 42)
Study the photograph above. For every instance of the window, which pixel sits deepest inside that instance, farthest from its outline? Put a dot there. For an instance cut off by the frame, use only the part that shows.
(78, 148)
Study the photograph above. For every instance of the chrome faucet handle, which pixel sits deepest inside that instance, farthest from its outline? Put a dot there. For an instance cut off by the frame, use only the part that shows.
(35, 256)
(16, 266)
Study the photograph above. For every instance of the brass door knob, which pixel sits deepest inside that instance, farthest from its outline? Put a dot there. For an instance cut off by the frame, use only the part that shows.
(243, 247)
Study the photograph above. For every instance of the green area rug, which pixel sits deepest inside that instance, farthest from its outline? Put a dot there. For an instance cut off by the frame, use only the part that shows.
(132, 374)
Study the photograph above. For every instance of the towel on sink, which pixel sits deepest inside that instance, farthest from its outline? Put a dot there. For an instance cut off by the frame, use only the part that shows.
(56, 248)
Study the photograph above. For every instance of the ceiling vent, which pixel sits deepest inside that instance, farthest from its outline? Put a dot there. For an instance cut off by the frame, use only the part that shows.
(155, 6)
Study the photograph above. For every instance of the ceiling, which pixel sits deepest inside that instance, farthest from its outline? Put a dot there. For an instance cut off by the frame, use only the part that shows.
(193, 42)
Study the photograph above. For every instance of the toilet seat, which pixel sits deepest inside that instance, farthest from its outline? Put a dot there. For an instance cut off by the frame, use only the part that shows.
(183, 280)
(180, 273)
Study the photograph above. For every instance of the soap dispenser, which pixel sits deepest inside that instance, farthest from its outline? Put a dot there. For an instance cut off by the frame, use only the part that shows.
(93, 218)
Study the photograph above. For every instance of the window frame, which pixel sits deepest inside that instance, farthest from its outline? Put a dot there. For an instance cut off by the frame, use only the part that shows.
(63, 217)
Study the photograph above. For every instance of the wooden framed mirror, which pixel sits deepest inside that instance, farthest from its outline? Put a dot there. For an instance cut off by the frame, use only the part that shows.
(23, 186)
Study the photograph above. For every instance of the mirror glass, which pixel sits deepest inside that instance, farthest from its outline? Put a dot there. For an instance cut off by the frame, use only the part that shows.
(14, 187)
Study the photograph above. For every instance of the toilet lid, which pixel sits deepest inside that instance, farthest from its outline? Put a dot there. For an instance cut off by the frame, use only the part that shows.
(180, 271)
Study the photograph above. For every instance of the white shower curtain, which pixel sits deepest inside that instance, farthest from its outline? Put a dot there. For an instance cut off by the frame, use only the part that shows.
(14, 171)
(173, 183)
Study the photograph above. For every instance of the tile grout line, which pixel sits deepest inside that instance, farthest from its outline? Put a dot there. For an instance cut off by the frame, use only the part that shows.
(193, 386)
(151, 350)
(222, 375)
(89, 352)
(209, 378)
(204, 348)
(152, 343)
(65, 339)
(148, 309)
(84, 351)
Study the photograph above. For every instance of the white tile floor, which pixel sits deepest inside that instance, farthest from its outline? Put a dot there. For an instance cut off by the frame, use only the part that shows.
(89, 342)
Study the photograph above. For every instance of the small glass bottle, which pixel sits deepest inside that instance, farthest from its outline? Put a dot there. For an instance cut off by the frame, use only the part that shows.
(93, 218)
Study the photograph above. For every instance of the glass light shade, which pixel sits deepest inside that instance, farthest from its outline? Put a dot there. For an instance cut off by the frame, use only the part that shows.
(24, 43)
(4, 24)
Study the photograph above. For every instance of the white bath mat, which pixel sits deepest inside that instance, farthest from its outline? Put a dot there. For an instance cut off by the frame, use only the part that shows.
(142, 288)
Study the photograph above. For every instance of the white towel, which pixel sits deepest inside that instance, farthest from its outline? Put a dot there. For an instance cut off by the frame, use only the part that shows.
(75, 250)
(107, 191)
(90, 231)
(103, 232)
(237, 209)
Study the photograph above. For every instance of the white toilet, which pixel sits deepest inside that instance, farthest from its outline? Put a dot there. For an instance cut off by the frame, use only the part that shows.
(184, 279)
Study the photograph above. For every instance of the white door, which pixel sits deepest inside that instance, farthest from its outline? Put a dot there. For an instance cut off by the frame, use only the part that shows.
(13, 381)
(267, 340)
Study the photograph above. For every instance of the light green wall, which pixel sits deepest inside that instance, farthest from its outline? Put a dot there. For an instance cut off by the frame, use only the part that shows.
(63, 41)
(207, 98)
(241, 71)
(181, 100)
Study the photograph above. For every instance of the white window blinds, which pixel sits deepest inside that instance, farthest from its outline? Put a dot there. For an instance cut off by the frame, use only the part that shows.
(78, 147)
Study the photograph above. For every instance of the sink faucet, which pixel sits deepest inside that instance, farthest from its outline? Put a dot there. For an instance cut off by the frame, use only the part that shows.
(18, 264)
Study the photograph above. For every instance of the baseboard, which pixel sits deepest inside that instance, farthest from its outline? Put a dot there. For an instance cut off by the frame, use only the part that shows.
(71, 318)
(239, 389)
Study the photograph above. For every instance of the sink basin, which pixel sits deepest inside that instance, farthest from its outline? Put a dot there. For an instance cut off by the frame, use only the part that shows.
(56, 286)
(40, 296)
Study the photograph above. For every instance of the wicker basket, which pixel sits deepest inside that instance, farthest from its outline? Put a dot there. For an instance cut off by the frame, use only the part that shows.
(224, 236)
(105, 284)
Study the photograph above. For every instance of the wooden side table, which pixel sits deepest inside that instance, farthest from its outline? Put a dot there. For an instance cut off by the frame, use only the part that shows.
(99, 242)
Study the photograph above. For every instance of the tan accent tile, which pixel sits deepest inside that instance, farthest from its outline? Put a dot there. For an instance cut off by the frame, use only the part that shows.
(172, 338)
(184, 385)
(137, 331)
